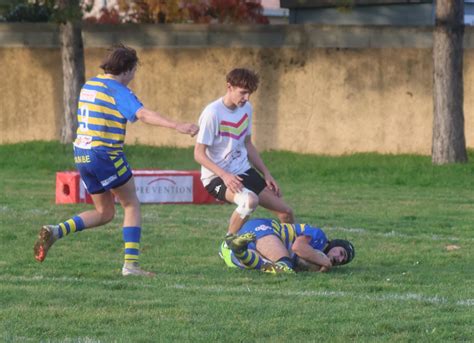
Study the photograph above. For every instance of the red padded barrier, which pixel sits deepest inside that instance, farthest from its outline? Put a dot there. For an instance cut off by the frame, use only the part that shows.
(153, 186)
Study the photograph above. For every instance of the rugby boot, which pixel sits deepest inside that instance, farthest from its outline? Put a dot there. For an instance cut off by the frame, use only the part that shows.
(133, 269)
(238, 243)
(44, 242)
(278, 268)
(226, 254)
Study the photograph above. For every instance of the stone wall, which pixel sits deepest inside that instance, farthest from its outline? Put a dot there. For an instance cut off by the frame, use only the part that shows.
(324, 89)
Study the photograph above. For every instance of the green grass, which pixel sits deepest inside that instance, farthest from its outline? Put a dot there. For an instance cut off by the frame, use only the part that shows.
(403, 286)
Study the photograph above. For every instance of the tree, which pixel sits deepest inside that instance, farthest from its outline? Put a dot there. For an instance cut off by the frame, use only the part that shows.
(72, 56)
(448, 144)
(68, 14)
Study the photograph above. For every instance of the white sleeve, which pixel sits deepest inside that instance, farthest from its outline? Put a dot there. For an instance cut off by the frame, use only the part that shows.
(208, 127)
(250, 114)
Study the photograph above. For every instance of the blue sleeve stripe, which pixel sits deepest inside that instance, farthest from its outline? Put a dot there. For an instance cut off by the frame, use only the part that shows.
(107, 146)
(93, 120)
(106, 140)
(105, 116)
(103, 128)
(287, 239)
(85, 107)
(99, 102)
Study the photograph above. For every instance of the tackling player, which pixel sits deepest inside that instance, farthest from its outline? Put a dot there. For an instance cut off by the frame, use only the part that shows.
(231, 165)
(106, 104)
(269, 246)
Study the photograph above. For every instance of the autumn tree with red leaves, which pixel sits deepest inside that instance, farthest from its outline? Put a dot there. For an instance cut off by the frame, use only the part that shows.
(188, 11)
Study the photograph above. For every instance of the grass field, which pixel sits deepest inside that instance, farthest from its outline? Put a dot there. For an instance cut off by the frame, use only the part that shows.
(404, 285)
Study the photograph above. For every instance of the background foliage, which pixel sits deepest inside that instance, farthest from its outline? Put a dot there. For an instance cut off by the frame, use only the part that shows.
(143, 11)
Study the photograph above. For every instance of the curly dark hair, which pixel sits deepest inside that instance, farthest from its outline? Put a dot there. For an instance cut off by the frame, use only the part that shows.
(119, 60)
(243, 78)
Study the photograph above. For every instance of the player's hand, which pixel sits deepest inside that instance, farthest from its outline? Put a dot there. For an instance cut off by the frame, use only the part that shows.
(233, 182)
(324, 269)
(271, 183)
(334, 260)
(188, 128)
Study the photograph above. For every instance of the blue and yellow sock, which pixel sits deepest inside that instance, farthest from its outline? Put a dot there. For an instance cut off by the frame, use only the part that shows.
(250, 259)
(75, 224)
(131, 237)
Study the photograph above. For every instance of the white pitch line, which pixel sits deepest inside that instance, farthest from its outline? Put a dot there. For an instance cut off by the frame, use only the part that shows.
(65, 279)
(394, 233)
(435, 300)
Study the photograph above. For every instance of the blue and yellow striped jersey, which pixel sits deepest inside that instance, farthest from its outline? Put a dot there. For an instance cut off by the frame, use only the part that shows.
(289, 232)
(105, 106)
(286, 232)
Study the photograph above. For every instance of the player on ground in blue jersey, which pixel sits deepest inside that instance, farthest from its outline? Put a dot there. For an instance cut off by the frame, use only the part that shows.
(269, 246)
(106, 104)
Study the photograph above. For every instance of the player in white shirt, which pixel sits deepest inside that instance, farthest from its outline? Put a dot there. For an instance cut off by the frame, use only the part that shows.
(231, 167)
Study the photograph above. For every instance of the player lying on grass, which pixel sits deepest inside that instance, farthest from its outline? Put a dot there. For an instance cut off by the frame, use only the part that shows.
(269, 246)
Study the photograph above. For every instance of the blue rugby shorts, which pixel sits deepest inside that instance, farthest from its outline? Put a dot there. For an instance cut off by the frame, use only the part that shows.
(260, 227)
(101, 170)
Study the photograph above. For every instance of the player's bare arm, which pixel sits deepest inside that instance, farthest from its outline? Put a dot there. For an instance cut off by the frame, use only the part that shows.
(303, 249)
(154, 118)
(257, 162)
(303, 265)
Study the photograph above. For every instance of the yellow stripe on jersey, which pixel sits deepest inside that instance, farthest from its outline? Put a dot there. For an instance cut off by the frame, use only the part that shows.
(287, 233)
(109, 145)
(132, 245)
(100, 121)
(100, 134)
(96, 83)
(118, 163)
(105, 97)
(101, 109)
(283, 235)
(291, 233)
(122, 171)
(72, 225)
(105, 77)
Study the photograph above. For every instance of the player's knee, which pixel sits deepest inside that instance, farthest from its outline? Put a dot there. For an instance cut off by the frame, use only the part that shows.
(286, 216)
(252, 200)
(246, 201)
(107, 214)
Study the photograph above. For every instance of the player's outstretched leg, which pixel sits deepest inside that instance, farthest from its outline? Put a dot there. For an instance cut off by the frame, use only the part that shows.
(239, 243)
(51, 233)
(46, 239)
(235, 253)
